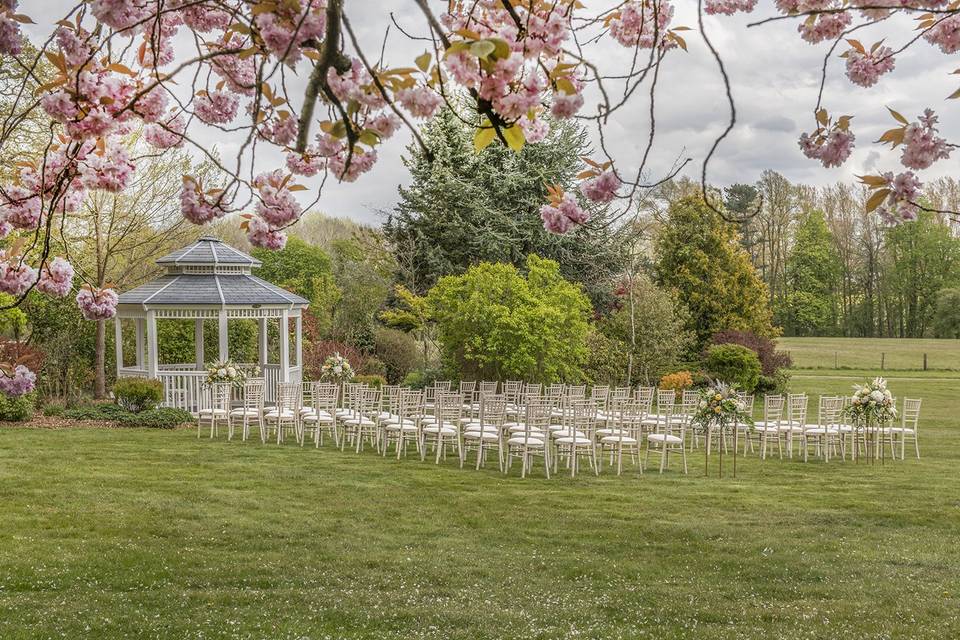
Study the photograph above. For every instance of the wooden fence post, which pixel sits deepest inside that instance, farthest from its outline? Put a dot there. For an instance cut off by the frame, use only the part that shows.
(924, 362)
(882, 358)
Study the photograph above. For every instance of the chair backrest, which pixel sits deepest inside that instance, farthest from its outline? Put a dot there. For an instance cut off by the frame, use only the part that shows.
(797, 408)
(220, 393)
(628, 420)
(577, 391)
(531, 389)
(390, 398)
(467, 387)
(772, 409)
(910, 414)
(441, 385)
(536, 418)
(288, 396)
(253, 390)
(645, 397)
(747, 401)
(370, 401)
(555, 390)
(690, 396)
(583, 415)
(410, 404)
(325, 397)
(449, 407)
(493, 410)
(488, 387)
(306, 392)
(600, 393)
(830, 410)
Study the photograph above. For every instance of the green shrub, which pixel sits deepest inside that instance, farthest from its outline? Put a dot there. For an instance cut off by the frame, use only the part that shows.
(422, 378)
(398, 351)
(777, 383)
(138, 394)
(735, 364)
(54, 409)
(159, 418)
(371, 380)
(16, 409)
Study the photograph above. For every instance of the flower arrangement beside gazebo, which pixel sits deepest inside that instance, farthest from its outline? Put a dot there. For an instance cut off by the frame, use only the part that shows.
(209, 280)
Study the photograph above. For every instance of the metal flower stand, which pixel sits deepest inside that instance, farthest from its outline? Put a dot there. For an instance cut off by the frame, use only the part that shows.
(721, 428)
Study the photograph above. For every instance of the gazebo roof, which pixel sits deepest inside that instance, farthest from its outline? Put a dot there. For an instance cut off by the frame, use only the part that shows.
(208, 251)
(209, 273)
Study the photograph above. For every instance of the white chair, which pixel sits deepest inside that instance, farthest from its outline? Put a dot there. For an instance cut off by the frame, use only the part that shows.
(361, 425)
(486, 432)
(742, 427)
(284, 415)
(770, 425)
(576, 439)
(792, 428)
(218, 411)
(531, 437)
(443, 428)
(827, 431)
(669, 434)
(251, 411)
(320, 416)
(403, 429)
(909, 426)
(624, 435)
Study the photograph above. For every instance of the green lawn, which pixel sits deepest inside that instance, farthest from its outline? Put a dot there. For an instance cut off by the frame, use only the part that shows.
(153, 534)
(865, 353)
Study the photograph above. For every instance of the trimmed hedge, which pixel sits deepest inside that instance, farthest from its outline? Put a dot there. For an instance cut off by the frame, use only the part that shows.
(734, 364)
(160, 418)
(138, 394)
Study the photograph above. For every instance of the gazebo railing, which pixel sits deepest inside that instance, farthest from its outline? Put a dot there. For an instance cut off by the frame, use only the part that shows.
(183, 384)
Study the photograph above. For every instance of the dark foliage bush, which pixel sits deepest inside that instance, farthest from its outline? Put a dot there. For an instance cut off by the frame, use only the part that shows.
(422, 378)
(159, 418)
(398, 351)
(16, 409)
(771, 360)
(735, 364)
(54, 409)
(138, 394)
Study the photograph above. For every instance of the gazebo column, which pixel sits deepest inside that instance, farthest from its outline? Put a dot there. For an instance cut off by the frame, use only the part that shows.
(223, 333)
(139, 341)
(299, 340)
(284, 346)
(262, 343)
(118, 342)
(198, 343)
(151, 344)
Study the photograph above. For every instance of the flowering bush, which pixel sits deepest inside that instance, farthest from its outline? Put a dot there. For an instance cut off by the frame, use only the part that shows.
(337, 369)
(871, 403)
(676, 381)
(719, 405)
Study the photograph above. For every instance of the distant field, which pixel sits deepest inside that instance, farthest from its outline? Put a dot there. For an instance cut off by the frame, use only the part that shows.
(902, 354)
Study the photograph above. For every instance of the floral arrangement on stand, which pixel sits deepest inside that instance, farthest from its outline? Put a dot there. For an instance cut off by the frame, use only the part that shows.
(719, 408)
(226, 371)
(337, 369)
(871, 404)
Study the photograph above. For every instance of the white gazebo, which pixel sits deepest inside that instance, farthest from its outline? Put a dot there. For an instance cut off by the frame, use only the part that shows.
(209, 282)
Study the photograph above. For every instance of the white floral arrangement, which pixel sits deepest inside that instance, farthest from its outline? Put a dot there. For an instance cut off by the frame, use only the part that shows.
(720, 405)
(336, 368)
(226, 371)
(872, 403)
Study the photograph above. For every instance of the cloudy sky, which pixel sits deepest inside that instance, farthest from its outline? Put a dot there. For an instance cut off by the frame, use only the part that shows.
(774, 74)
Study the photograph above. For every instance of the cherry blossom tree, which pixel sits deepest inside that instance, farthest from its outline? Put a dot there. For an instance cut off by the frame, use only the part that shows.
(178, 67)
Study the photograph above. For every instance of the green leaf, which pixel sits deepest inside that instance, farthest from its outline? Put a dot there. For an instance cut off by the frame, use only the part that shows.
(483, 138)
(482, 48)
(514, 137)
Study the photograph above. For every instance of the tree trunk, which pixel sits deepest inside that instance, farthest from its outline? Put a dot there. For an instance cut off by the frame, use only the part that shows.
(99, 366)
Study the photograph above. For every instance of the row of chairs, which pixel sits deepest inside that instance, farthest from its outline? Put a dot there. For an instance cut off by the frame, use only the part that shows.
(557, 423)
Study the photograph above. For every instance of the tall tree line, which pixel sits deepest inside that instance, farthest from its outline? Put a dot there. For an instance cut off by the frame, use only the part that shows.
(831, 269)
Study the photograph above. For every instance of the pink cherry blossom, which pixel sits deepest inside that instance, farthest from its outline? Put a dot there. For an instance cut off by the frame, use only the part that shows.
(534, 130)
(21, 207)
(384, 124)
(216, 107)
(110, 169)
(728, 7)
(197, 206)
(260, 234)
(277, 204)
(239, 74)
(203, 18)
(824, 26)
(74, 45)
(281, 131)
(865, 69)
(832, 148)
(11, 41)
(166, 134)
(565, 105)
(420, 101)
(641, 23)
(945, 34)
(97, 304)
(900, 205)
(283, 30)
(151, 105)
(602, 188)
(360, 163)
(56, 278)
(921, 144)
(16, 276)
(22, 382)
(562, 217)
(120, 14)
(305, 164)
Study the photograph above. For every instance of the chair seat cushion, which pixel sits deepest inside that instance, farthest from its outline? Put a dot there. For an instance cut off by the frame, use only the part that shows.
(578, 440)
(618, 439)
(359, 422)
(321, 418)
(212, 412)
(530, 442)
(610, 432)
(273, 414)
(664, 437)
(239, 413)
(405, 425)
(446, 429)
(901, 430)
(566, 433)
(486, 436)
